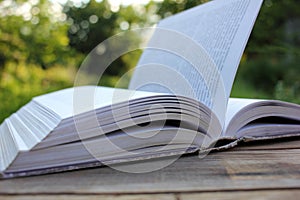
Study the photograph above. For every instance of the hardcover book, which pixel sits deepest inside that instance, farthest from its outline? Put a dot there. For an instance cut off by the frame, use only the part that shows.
(177, 102)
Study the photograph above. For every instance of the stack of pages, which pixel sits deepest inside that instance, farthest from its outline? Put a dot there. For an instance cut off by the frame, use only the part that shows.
(90, 126)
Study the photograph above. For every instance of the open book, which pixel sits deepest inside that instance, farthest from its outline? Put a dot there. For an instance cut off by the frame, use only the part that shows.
(177, 102)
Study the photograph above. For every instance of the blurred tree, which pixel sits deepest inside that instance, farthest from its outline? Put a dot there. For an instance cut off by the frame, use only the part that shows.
(33, 37)
(170, 7)
(93, 22)
(33, 32)
(271, 59)
(90, 24)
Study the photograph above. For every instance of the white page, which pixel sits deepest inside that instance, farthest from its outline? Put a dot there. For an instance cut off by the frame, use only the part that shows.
(69, 102)
(235, 105)
(211, 39)
(240, 112)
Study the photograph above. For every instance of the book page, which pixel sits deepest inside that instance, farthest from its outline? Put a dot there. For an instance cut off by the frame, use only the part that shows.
(261, 118)
(196, 53)
(235, 105)
(73, 101)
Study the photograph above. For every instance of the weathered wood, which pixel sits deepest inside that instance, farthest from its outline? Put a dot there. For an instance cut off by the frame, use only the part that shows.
(231, 170)
(265, 195)
(90, 197)
(255, 195)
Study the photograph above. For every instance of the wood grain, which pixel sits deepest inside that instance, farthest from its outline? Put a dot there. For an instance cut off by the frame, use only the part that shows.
(91, 197)
(255, 195)
(240, 171)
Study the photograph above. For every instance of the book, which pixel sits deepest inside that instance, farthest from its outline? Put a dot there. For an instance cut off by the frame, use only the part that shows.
(177, 103)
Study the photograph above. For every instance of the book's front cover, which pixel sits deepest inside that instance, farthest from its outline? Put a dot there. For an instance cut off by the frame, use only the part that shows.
(141, 158)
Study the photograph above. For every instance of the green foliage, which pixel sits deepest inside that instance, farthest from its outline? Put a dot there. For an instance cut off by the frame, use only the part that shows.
(94, 22)
(242, 89)
(90, 24)
(19, 83)
(276, 30)
(170, 7)
(33, 35)
(271, 59)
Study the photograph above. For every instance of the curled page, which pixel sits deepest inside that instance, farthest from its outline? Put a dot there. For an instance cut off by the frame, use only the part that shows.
(196, 53)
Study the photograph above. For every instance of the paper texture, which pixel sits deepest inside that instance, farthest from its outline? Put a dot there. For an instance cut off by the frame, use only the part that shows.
(199, 55)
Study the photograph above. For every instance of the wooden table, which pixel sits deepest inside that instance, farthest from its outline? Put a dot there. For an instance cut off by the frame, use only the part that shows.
(260, 170)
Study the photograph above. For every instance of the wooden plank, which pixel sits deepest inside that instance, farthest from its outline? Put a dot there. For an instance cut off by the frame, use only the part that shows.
(90, 197)
(219, 171)
(255, 195)
(271, 194)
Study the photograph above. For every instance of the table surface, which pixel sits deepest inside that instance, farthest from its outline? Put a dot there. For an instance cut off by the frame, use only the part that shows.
(256, 170)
